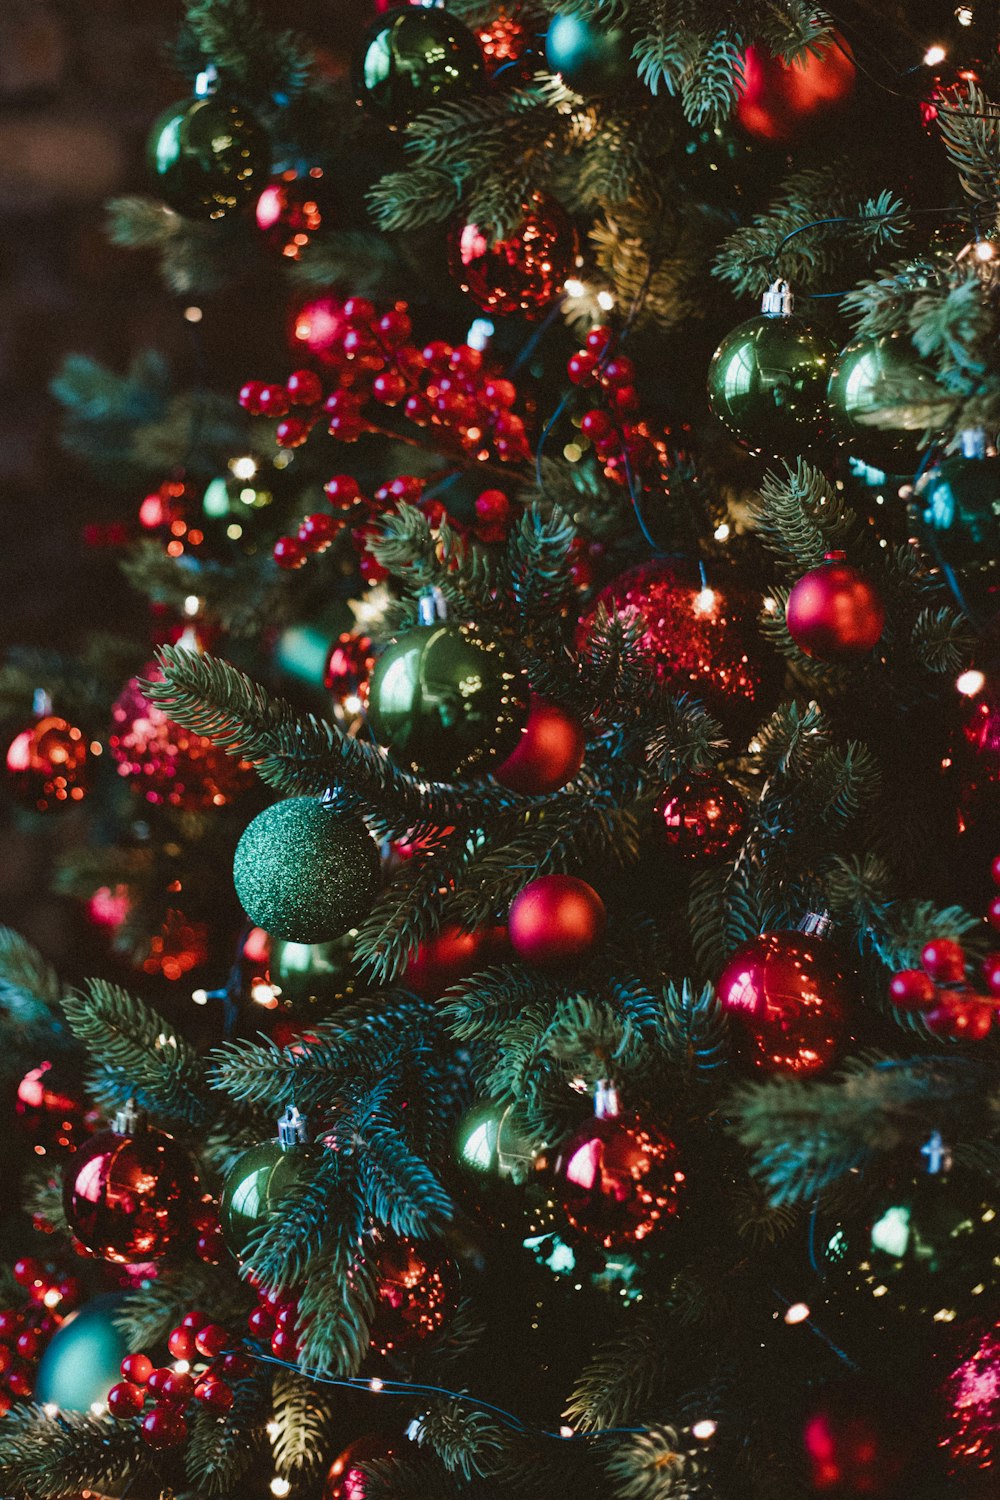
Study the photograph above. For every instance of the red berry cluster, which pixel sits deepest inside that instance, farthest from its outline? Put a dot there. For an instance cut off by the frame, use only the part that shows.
(166, 510)
(952, 1006)
(208, 1361)
(209, 1244)
(25, 1330)
(275, 1320)
(622, 442)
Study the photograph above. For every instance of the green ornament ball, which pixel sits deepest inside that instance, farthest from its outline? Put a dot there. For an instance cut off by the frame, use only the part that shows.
(305, 872)
(957, 507)
(208, 157)
(83, 1358)
(860, 386)
(589, 56)
(767, 383)
(253, 1188)
(446, 700)
(414, 58)
(311, 974)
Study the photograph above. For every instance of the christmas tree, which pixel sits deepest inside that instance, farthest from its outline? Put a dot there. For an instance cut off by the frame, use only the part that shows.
(542, 860)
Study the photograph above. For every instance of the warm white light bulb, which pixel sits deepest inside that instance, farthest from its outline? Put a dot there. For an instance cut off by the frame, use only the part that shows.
(244, 468)
(574, 286)
(704, 1429)
(935, 55)
(797, 1313)
(280, 1487)
(970, 683)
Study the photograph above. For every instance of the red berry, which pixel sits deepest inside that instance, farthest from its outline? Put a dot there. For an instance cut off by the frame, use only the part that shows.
(437, 355)
(125, 1400)
(358, 341)
(69, 1290)
(178, 1388)
(163, 1427)
(619, 371)
(250, 397)
(626, 399)
(6, 1358)
(284, 1344)
(993, 913)
(580, 366)
(5, 1403)
(236, 1365)
(466, 359)
(394, 327)
(10, 1322)
(209, 1245)
(596, 424)
(493, 508)
(960, 1019)
(28, 1344)
(318, 531)
(358, 310)
(417, 409)
(157, 1379)
(944, 960)
(20, 1383)
(371, 569)
(912, 990)
(304, 388)
(289, 552)
(498, 392)
(346, 427)
(292, 432)
(212, 1339)
(180, 1342)
(598, 339)
(272, 400)
(406, 487)
(261, 1322)
(286, 1314)
(27, 1270)
(389, 388)
(342, 489)
(194, 1320)
(137, 1368)
(991, 969)
(214, 1393)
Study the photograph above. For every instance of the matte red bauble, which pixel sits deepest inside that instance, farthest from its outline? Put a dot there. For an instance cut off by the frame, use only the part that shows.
(971, 1401)
(548, 754)
(289, 211)
(523, 273)
(778, 99)
(168, 764)
(617, 1178)
(451, 955)
(417, 1289)
(556, 918)
(834, 612)
(703, 816)
(128, 1191)
(347, 1479)
(698, 638)
(791, 994)
(47, 764)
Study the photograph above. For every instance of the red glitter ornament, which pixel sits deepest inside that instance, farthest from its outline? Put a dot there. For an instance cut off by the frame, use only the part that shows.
(834, 613)
(290, 210)
(790, 992)
(522, 273)
(348, 671)
(555, 919)
(777, 99)
(548, 754)
(417, 1291)
(971, 1395)
(703, 816)
(47, 763)
(617, 1178)
(168, 764)
(347, 1479)
(699, 637)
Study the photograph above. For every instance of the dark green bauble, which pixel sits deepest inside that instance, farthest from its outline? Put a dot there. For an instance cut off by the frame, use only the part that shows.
(414, 58)
(83, 1358)
(589, 56)
(860, 386)
(304, 872)
(957, 507)
(310, 974)
(494, 1159)
(767, 383)
(254, 1186)
(927, 1250)
(208, 157)
(446, 700)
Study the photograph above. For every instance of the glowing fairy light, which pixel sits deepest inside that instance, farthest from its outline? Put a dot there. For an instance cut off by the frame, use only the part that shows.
(704, 1429)
(280, 1487)
(797, 1313)
(243, 468)
(934, 55)
(970, 683)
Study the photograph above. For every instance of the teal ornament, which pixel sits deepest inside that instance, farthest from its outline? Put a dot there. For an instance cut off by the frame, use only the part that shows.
(83, 1358)
(590, 56)
(305, 872)
(860, 386)
(414, 58)
(957, 507)
(208, 157)
(445, 700)
(259, 1179)
(313, 974)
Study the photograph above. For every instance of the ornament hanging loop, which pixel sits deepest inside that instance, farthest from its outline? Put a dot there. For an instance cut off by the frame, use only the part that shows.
(293, 1129)
(606, 1102)
(129, 1120)
(778, 301)
(432, 607)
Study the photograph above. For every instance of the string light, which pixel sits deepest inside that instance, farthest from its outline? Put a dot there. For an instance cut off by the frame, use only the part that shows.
(575, 287)
(797, 1313)
(193, 314)
(192, 604)
(243, 468)
(704, 1429)
(934, 55)
(605, 301)
(963, 15)
(971, 682)
(280, 1487)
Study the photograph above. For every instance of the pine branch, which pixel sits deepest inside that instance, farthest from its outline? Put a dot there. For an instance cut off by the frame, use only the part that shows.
(337, 1303)
(302, 1424)
(46, 1458)
(619, 1381)
(222, 1450)
(970, 128)
(239, 38)
(467, 1442)
(148, 1313)
(696, 1033)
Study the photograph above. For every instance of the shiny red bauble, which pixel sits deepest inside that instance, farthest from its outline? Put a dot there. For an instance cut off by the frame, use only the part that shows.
(522, 273)
(417, 1291)
(167, 764)
(555, 919)
(316, 328)
(618, 1180)
(47, 764)
(777, 99)
(290, 210)
(791, 994)
(835, 613)
(347, 1479)
(125, 1400)
(127, 1197)
(702, 815)
(548, 754)
(450, 955)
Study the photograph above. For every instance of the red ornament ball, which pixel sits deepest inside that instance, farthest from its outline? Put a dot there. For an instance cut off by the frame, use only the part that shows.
(317, 327)
(981, 724)
(167, 764)
(778, 99)
(555, 919)
(548, 754)
(523, 273)
(971, 1402)
(290, 210)
(698, 638)
(850, 1452)
(451, 955)
(835, 613)
(417, 1291)
(47, 764)
(127, 1196)
(791, 994)
(619, 1180)
(703, 816)
(347, 1479)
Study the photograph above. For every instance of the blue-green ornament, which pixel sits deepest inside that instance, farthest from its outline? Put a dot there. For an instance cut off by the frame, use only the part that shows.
(590, 56)
(767, 380)
(306, 872)
(957, 507)
(313, 974)
(259, 1179)
(861, 385)
(208, 157)
(83, 1358)
(414, 58)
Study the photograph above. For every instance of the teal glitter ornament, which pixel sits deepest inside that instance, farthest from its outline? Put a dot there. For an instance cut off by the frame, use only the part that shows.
(313, 974)
(860, 386)
(414, 58)
(957, 507)
(208, 157)
(767, 380)
(590, 56)
(83, 1358)
(259, 1179)
(304, 872)
(445, 699)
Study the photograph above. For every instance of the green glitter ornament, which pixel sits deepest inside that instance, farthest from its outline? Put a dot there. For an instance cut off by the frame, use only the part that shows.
(413, 58)
(304, 872)
(259, 1179)
(208, 157)
(858, 390)
(590, 56)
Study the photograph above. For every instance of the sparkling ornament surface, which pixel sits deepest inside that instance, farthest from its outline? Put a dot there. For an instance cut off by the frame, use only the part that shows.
(290, 210)
(699, 639)
(548, 754)
(127, 1197)
(590, 56)
(703, 816)
(168, 764)
(777, 99)
(446, 700)
(556, 919)
(619, 1180)
(254, 1186)
(348, 671)
(47, 764)
(971, 1401)
(522, 273)
(83, 1358)
(834, 612)
(311, 974)
(957, 506)
(767, 383)
(414, 58)
(347, 1479)
(417, 1290)
(860, 386)
(305, 873)
(207, 157)
(790, 992)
